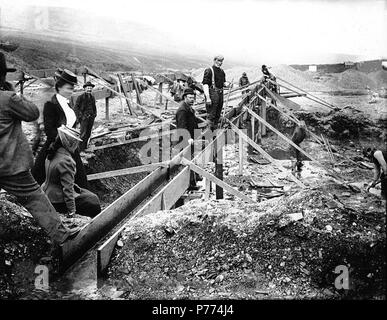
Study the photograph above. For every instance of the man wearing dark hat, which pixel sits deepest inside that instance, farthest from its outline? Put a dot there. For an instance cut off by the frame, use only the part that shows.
(244, 81)
(186, 119)
(16, 159)
(213, 82)
(268, 76)
(86, 112)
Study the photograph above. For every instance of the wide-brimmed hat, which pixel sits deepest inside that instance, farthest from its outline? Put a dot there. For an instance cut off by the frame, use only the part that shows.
(3, 65)
(188, 91)
(88, 84)
(67, 76)
(70, 132)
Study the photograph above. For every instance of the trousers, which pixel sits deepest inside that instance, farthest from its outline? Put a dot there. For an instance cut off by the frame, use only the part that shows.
(86, 127)
(86, 204)
(31, 196)
(215, 109)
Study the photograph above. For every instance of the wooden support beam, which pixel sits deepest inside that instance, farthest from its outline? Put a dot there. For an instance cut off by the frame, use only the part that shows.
(241, 155)
(219, 166)
(107, 108)
(207, 183)
(104, 222)
(253, 114)
(217, 181)
(291, 116)
(265, 154)
(163, 200)
(126, 171)
(137, 89)
(263, 113)
(165, 96)
(128, 100)
(307, 93)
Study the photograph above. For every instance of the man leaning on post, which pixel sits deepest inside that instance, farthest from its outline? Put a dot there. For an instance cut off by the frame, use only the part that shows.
(16, 159)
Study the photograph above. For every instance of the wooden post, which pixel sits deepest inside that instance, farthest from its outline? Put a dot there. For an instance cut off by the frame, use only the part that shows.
(128, 99)
(263, 111)
(240, 155)
(84, 78)
(107, 108)
(119, 97)
(161, 91)
(135, 85)
(166, 101)
(252, 128)
(207, 189)
(21, 86)
(219, 167)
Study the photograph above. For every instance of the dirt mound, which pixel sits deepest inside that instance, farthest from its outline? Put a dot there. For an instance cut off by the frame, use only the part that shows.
(352, 79)
(227, 249)
(23, 246)
(344, 123)
(302, 79)
(379, 77)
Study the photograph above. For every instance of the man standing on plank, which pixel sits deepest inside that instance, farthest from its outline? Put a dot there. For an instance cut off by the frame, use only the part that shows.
(213, 82)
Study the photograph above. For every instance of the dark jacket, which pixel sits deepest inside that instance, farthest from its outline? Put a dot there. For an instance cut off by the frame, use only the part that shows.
(60, 175)
(54, 117)
(299, 135)
(15, 151)
(243, 81)
(220, 77)
(85, 106)
(186, 119)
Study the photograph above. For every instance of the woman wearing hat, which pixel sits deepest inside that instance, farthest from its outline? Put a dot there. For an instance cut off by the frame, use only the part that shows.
(86, 112)
(60, 188)
(57, 112)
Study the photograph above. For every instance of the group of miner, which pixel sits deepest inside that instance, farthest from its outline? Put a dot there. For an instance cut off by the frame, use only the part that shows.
(56, 182)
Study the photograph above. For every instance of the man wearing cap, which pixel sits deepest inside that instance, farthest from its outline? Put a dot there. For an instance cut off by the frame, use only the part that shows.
(16, 159)
(186, 119)
(268, 76)
(213, 82)
(86, 112)
(244, 81)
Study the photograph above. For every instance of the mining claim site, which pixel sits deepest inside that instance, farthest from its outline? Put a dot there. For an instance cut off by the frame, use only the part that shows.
(253, 228)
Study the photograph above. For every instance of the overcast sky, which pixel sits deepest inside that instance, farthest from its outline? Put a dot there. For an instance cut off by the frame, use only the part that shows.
(254, 31)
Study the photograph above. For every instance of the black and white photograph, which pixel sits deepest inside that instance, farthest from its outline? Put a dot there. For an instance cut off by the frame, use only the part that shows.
(193, 154)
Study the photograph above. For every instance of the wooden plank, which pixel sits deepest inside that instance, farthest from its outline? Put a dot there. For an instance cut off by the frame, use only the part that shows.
(207, 183)
(292, 117)
(252, 113)
(137, 89)
(103, 223)
(165, 96)
(107, 108)
(265, 154)
(163, 200)
(240, 155)
(126, 171)
(263, 113)
(128, 101)
(131, 140)
(217, 181)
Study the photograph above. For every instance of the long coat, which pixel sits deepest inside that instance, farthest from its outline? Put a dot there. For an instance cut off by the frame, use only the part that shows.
(15, 152)
(53, 118)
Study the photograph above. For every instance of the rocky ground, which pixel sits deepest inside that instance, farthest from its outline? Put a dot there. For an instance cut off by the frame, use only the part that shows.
(282, 247)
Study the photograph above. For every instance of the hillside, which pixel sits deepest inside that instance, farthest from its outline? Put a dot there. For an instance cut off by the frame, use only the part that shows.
(56, 52)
